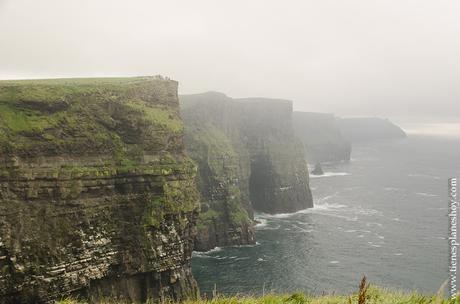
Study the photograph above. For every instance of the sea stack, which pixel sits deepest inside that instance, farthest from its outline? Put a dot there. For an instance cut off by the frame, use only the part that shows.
(318, 170)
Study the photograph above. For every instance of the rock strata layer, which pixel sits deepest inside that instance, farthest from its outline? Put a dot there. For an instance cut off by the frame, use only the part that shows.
(97, 198)
(248, 159)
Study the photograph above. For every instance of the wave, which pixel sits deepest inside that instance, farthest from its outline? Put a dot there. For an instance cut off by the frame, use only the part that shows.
(330, 174)
(327, 206)
(425, 194)
(391, 188)
(369, 224)
(423, 175)
(261, 223)
(245, 246)
(206, 253)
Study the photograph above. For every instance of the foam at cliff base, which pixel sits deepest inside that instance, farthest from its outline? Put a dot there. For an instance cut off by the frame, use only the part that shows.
(330, 174)
(206, 253)
(320, 207)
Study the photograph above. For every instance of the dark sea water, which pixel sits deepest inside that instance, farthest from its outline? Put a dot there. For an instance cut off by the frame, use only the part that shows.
(383, 215)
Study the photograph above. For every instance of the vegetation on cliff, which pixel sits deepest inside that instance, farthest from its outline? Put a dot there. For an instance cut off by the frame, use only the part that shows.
(374, 295)
(97, 196)
(248, 158)
(84, 116)
(223, 220)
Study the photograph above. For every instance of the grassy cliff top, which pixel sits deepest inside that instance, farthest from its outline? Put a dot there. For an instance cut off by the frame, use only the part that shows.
(90, 116)
(372, 296)
(46, 90)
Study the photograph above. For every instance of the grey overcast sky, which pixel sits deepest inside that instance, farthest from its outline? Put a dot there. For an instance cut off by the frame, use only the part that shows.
(388, 58)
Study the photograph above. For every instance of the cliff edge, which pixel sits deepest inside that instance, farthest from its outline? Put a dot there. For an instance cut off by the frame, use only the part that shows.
(364, 129)
(97, 198)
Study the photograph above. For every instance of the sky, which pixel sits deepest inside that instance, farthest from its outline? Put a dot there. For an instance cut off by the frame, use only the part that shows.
(387, 58)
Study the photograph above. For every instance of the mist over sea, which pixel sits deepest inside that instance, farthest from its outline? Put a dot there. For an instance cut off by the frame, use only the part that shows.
(383, 215)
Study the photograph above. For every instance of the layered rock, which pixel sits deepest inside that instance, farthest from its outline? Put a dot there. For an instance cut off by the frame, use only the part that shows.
(363, 129)
(97, 198)
(248, 158)
(322, 137)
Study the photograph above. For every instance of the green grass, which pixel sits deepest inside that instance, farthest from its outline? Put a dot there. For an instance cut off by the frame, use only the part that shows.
(88, 115)
(374, 295)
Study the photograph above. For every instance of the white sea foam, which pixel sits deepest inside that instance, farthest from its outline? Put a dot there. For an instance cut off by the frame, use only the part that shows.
(242, 258)
(423, 175)
(206, 253)
(369, 224)
(330, 174)
(261, 223)
(425, 194)
(245, 246)
(392, 189)
(303, 229)
(324, 198)
(327, 206)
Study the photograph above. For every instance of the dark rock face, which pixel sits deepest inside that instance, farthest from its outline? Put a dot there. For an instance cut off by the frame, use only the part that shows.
(248, 158)
(322, 137)
(97, 198)
(318, 170)
(369, 128)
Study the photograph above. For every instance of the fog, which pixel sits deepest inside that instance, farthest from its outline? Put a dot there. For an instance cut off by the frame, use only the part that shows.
(390, 58)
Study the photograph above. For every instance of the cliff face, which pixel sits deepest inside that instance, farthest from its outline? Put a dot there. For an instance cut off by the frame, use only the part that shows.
(279, 176)
(97, 198)
(368, 129)
(248, 158)
(321, 136)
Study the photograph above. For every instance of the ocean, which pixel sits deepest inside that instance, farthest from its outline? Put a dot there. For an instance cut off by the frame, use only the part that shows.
(382, 215)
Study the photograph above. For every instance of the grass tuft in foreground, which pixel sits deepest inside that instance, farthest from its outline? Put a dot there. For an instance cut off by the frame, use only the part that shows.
(367, 294)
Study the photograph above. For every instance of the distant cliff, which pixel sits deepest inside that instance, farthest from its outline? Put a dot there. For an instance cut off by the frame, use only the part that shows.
(321, 136)
(248, 158)
(97, 198)
(368, 129)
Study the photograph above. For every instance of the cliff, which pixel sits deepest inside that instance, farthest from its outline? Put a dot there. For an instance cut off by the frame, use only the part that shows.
(97, 198)
(248, 158)
(368, 129)
(321, 136)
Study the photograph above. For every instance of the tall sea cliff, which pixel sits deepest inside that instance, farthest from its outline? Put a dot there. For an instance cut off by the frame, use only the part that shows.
(322, 137)
(365, 129)
(97, 197)
(248, 159)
